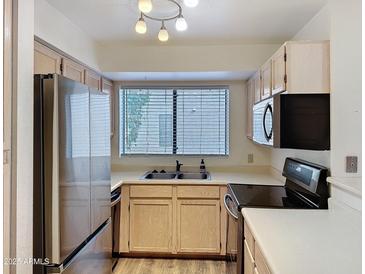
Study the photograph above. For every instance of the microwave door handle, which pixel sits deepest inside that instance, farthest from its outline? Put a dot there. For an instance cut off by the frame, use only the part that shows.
(268, 108)
(227, 196)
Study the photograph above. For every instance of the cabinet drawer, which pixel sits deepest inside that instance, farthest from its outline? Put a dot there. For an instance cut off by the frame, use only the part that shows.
(249, 263)
(198, 192)
(151, 191)
(260, 261)
(249, 239)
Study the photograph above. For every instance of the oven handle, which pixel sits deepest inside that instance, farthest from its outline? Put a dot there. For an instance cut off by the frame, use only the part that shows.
(115, 200)
(227, 196)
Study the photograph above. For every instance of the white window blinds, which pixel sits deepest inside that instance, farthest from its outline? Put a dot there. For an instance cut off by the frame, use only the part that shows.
(184, 121)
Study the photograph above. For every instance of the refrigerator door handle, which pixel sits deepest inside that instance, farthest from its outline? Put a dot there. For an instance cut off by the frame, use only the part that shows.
(63, 267)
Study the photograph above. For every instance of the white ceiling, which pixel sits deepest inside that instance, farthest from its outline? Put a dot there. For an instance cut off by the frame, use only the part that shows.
(179, 76)
(213, 21)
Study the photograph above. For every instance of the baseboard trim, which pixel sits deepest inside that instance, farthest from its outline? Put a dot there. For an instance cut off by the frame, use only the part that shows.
(173, 256)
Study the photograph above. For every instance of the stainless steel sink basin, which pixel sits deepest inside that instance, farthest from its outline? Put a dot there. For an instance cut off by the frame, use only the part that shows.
(194, 176)
(159, 176)
(172, 176)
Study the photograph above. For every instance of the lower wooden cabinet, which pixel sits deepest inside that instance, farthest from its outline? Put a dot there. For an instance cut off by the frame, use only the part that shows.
(150, 225)
(198, 226)
(254, 260)
(173, 219)
(249, 262)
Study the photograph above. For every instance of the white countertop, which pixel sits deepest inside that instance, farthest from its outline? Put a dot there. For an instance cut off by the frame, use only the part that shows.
(308, 241)
(350, 184)
(246, 176)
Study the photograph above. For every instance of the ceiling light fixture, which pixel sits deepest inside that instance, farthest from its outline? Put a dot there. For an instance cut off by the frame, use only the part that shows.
(145, 6)
(191, 3)
(181, 24)
(163, 35)
(141, 26)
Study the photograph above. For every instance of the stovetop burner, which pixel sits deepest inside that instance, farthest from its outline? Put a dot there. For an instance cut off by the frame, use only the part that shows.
(265, 196)
(305, 187)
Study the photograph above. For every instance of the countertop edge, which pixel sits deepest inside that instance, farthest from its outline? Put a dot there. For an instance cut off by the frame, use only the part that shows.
(352, 185)
(257, 239)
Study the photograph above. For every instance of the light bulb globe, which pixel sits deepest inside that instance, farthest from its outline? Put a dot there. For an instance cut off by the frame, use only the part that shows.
(191, 3)
(181, 24)
(145, 6)
(163, 35)
(141, 26)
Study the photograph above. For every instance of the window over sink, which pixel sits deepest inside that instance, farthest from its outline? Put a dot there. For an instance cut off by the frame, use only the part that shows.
(174, 121)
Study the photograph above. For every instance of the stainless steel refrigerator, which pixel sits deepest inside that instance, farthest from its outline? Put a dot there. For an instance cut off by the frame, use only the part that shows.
(72, 230)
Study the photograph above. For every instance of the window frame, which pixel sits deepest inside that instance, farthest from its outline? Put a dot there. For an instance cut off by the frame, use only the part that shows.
(174, 88)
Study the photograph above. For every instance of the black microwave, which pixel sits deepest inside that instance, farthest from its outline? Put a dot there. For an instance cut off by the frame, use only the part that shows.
(297, 121)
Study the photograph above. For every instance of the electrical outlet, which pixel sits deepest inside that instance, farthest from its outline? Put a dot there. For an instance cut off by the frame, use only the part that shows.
(250, 158)
(351, 164)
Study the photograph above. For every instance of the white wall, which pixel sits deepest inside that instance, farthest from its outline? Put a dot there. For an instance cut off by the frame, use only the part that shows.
(56, 29)
(318, 28)
(346, 84)
(23, 162)
(116, 57)
(240, 146)
(339, 21)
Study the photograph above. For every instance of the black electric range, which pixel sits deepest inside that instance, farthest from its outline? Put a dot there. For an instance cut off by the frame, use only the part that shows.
(305, 188)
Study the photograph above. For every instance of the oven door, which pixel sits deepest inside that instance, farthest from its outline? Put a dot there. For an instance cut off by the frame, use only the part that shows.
(232, 228)
(263, 116)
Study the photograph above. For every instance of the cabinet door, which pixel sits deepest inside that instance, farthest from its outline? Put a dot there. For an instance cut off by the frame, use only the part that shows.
(260, 261)
(250, 101)
(308, 67)
(73, 70)
(93, 79)
(107, 87)
(257, 86)
(46, 60)
(249, 263)
(278, 71)
(151, 225)
(198, 226)
(266, 80)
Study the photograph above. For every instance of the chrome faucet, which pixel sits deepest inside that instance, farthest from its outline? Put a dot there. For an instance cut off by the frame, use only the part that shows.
(178, 166)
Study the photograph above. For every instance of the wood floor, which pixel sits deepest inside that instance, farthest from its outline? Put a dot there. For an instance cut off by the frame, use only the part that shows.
(172, 266)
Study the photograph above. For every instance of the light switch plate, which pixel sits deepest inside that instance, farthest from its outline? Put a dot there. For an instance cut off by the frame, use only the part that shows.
(351, 164)
(250, 158)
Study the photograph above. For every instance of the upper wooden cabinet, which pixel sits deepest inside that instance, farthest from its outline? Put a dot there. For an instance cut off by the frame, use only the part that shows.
(308, 67)
(107, 87)
(73, 70)
(296, 67)
(250, 102)
(92, 79)
(46, 60)
(256, 82)
(278, 71)
(266, 79)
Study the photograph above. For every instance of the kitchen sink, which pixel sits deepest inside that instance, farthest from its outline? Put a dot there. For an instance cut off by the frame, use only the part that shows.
(153, 175)
(194, 176)
(159, 176)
